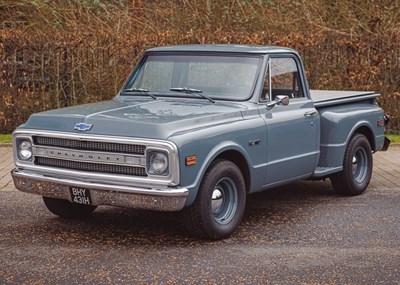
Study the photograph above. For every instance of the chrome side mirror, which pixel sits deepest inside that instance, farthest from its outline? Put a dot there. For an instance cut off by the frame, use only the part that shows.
(279, 99)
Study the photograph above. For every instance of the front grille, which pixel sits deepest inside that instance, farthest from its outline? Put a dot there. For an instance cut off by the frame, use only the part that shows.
(91, 167)
(90, 145)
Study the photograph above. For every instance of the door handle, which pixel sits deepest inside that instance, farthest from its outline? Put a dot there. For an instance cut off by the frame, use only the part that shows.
(310, 113)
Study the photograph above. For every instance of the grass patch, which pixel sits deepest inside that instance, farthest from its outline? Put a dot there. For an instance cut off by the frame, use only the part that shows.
(395, 138)
(5, 138)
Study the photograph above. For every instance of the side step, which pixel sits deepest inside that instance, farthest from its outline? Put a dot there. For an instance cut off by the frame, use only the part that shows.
(321, 172)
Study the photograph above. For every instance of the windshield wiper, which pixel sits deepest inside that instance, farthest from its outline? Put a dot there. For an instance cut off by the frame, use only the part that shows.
(191, 91)
(142, 90)
(185, 89)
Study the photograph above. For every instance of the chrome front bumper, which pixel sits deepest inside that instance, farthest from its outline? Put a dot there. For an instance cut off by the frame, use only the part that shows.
(166, 199)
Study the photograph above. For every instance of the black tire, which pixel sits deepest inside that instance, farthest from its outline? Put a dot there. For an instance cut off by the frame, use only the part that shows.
(357, 168)
(220, 202)
(66, 209)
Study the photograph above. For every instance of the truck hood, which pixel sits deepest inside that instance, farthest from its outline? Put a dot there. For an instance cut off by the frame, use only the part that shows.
(158, 119)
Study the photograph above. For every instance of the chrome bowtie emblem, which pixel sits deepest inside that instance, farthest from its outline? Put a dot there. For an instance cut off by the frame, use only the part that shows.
(83, 127)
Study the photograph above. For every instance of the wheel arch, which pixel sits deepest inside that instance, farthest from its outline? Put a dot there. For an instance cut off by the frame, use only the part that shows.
(368, 133)
(237, 158)
(230, 151)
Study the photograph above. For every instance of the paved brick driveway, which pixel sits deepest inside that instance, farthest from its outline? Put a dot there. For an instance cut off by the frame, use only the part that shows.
(6, 164)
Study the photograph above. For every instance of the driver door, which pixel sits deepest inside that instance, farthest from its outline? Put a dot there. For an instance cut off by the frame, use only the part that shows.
(292, 129)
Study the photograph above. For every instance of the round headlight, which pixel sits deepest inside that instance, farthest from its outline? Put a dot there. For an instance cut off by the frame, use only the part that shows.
(25, 150)
(158, 163)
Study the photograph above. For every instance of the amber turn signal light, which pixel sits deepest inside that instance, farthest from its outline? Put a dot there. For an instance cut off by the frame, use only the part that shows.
(190, 160)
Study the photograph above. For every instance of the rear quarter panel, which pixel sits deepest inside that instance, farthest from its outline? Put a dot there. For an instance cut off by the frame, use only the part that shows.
(340, 122)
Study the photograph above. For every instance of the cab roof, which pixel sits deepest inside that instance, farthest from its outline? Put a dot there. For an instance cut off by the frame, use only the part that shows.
(223, 48)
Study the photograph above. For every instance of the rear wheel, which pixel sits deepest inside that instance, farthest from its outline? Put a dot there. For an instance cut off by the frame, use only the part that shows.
(357, 167)
(66, 209)
(220, 202)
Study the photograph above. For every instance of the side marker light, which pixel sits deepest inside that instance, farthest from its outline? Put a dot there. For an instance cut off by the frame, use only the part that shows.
(190, 160)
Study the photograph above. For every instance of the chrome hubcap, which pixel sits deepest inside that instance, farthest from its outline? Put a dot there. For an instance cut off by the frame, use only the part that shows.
(217, 200)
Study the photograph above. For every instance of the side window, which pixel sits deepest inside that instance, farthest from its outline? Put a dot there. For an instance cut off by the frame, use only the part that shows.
(285, 79)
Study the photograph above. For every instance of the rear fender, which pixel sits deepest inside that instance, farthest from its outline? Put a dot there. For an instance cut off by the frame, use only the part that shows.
(340, 123)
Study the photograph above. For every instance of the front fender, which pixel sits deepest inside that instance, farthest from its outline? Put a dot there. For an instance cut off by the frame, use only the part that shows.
(214, 153)
(209, 144)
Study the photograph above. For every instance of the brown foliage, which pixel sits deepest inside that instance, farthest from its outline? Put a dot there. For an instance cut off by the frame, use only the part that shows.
(62, 53)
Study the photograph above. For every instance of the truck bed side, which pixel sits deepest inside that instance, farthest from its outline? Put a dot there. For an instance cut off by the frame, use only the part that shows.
(323, 98)
(344, 113)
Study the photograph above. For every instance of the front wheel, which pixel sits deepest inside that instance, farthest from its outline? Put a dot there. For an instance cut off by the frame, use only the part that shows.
(66, 209)
(357, 168)
(220, 202)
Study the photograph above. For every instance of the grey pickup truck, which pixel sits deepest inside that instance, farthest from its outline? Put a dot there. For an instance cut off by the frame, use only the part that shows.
(195, 129)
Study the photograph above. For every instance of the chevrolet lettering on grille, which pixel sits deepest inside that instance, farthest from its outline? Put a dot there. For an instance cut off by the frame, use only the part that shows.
(86, 156)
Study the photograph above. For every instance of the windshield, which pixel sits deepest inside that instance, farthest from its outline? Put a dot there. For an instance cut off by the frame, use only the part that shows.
(215, 76)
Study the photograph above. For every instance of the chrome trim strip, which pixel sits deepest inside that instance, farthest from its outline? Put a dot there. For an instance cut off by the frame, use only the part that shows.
(160, 199)
(89, 145)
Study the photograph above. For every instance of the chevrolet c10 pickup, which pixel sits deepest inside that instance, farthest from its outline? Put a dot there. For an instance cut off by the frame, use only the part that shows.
(196, 129)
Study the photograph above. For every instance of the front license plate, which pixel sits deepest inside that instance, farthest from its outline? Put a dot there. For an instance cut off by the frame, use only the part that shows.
(80, 195)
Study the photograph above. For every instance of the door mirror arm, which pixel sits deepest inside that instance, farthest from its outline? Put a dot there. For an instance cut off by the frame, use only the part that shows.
(279, 99)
